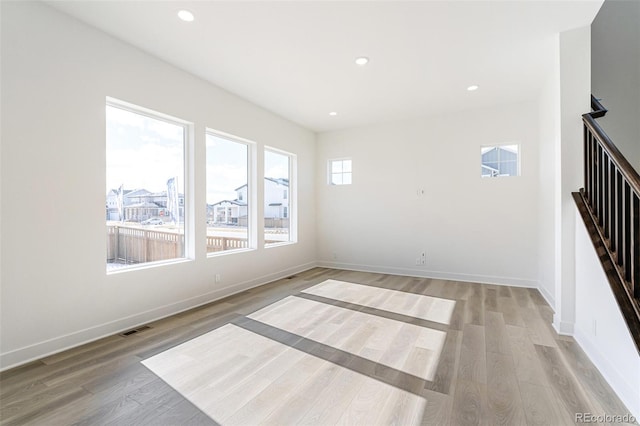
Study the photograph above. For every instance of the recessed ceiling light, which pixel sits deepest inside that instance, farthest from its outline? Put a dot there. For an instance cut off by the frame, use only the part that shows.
(186, 16)
(472, 88)
(362, 60)
(333, 113)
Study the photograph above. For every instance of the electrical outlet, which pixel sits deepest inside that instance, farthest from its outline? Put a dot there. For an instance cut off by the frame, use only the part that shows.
(218, 278)
(423, 258)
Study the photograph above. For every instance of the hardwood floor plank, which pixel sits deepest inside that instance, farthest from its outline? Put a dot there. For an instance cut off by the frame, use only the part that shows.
(45, 411)
(509, 309)
(474, 310)
(522, 297)
(503, 393)
(121, 381)
(300, 403)
(473, 362)
(491, 299)
(504, 291)
(565, 386)
(458, 315)
(433, 287)
(496, 338)
(447, 366)
(470, 404)
(463, 290)
(539, 332)
(540, 406)
(438, 409)
(537, 297)
(527, 363)
(15, 405)
(592, 381)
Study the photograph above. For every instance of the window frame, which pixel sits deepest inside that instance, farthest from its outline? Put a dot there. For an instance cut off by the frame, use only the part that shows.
(517, 160)
(330, 172)
(251, 197)
(188, 254)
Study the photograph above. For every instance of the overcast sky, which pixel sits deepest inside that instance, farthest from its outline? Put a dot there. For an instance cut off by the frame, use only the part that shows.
(143, 152)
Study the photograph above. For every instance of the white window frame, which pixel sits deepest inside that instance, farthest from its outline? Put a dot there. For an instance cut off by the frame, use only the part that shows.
(189, 178)
(330, 173)
(292, 197)
(518, 159)
(252, 219)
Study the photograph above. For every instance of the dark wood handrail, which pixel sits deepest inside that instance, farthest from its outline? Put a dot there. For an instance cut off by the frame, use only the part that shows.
(597, 109)
(626, 169)
(610, 207)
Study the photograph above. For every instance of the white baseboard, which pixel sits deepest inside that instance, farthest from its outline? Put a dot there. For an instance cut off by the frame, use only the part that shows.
(421, 273)
(629, 394)
(551, 300)
(61, 343)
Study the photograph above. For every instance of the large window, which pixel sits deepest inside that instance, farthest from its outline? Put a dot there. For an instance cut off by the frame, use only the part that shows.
(228, 196)
(145, 206)
(499, 161)
(278, 195)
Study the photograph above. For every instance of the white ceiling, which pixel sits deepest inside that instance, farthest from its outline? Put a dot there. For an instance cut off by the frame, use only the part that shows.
(296, 58)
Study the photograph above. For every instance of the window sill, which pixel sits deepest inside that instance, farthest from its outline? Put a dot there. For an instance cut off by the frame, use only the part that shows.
(148, 265)
(284, 243)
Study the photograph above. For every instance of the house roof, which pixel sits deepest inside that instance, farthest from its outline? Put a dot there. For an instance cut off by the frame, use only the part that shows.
(137, 193)
(234, 202)
(279, 181)
(115, 191)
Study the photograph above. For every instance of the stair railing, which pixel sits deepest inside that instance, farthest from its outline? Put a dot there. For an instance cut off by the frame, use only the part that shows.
(611, 195)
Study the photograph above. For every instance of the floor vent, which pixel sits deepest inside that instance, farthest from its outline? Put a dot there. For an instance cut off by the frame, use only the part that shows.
(134, 331)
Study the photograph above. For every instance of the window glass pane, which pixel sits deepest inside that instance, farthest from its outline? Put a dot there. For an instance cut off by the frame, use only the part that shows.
(227, 194)
(339, 170)
(346, 179)
(145, 188)
(497, 161)
(277, 218)
(509, 168)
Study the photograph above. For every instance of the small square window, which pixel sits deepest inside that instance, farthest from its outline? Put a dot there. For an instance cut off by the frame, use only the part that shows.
(340, 172)
(499, 161)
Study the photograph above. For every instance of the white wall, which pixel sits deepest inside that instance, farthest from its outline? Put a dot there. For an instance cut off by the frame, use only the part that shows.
(575, 100)
(600, 328)
(471, 228)
(615, 68)
(56, 73)
(549, 211)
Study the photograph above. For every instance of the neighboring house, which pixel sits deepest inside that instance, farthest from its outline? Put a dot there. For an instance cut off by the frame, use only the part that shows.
(112, 204)
(226, 212)
(500, 161)
(276, 198)
(234, 212)
(141, 204)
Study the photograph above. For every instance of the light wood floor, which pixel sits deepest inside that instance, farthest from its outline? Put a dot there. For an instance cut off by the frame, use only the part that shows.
(489, 358)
